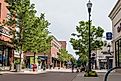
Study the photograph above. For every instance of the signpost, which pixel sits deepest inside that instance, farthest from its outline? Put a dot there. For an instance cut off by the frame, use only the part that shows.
(109, 35)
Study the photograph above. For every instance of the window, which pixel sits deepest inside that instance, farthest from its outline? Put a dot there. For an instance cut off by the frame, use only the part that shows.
(118, 52)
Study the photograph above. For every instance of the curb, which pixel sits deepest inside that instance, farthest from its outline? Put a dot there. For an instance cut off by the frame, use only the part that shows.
(2, 73)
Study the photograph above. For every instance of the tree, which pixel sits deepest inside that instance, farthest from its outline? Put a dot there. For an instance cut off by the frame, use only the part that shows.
(37, 39)
(80, 42)
(65, 57)
(19, 17)
(30, 33)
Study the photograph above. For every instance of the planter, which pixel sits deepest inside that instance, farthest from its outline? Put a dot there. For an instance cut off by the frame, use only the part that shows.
(90, 74)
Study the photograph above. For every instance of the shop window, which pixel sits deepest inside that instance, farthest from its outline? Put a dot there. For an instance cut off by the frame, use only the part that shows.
(116, 53)
(120, 52)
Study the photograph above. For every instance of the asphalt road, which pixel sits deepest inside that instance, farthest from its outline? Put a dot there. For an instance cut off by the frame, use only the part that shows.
(50, 76)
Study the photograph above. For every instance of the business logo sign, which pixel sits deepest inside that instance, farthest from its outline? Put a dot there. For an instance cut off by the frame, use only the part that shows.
(109, 35)
(119, 28)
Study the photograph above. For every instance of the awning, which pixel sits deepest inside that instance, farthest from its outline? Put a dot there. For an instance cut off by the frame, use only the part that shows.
(42, 57)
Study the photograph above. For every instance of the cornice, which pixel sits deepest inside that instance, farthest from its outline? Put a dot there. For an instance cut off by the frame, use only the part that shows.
(115, 10)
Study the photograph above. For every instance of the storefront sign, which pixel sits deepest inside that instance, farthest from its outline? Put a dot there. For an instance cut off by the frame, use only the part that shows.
(109, 35)
(119, 28)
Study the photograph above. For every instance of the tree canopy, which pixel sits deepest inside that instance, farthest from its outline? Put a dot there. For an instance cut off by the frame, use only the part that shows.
(64, 55)
(80, 39)
(30, 33)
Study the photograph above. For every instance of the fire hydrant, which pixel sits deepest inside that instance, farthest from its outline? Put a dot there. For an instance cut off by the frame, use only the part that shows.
(34, 67)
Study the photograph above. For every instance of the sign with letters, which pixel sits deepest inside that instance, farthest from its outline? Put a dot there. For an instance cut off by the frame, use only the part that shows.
(109, 35)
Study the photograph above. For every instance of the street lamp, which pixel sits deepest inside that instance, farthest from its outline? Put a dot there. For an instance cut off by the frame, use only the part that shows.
(89, 6)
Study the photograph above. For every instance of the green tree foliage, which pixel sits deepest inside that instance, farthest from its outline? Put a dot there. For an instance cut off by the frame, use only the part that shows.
(36, 38)
(17, 20)
(64, 55)
(80, 40)
(30, 33)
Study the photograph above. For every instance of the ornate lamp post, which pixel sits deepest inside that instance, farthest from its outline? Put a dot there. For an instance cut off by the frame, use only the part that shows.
(89, 6)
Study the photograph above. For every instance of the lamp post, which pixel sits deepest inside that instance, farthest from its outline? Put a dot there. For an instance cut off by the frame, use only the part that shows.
(89, 6)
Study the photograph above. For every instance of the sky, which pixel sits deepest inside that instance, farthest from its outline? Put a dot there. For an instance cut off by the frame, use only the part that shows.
(64, 16)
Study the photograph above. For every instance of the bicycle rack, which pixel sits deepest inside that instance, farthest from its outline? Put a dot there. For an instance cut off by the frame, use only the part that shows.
(109, 71)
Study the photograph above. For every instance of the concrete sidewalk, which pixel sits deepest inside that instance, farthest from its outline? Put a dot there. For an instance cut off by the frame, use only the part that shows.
(29, 71)
(112, 77)
(23, 72)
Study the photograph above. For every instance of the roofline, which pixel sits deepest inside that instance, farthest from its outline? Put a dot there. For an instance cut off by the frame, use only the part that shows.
(113, 9)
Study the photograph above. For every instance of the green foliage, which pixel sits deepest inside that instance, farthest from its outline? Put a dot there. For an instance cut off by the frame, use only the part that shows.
(30, 33)
(17, 61)
(18, 19)
(36, 36)
(80, 40)
(83, 59)
(65, 56)
(91, 74)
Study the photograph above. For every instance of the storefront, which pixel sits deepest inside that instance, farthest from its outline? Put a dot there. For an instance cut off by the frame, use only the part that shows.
(115, 17)
(6, 55)
(118, 52)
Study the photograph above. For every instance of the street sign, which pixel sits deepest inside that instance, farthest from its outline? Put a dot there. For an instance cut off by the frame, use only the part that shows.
(109, 35)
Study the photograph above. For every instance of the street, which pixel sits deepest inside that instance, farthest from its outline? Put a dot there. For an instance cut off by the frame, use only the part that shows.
(58, 76)
(49, 76)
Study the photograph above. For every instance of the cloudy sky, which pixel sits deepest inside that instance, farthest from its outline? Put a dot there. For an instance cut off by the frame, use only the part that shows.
(64, 15)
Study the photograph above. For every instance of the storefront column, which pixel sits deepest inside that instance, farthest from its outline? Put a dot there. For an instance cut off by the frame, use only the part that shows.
(3, 55)
(11, 59)
(60, 64)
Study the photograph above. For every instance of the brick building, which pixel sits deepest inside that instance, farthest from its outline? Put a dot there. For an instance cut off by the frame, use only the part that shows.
(63, 44)
(6, 48)
(49, 58)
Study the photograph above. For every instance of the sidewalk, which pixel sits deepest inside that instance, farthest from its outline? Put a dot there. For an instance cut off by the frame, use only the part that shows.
(80, 77)
(23, 71)
(29, 71)
(114, 76)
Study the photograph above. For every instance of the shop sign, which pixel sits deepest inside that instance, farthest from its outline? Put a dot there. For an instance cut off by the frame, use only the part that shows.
(109, 35)
(119, 28)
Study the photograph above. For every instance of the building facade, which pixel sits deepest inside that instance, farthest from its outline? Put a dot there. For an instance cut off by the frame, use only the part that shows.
(104, 58)
(6, 48)
(50, 58)
(115, 16)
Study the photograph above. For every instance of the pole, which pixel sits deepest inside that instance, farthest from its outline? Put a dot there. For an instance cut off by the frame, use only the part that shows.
(89, 10)
(34, 57)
